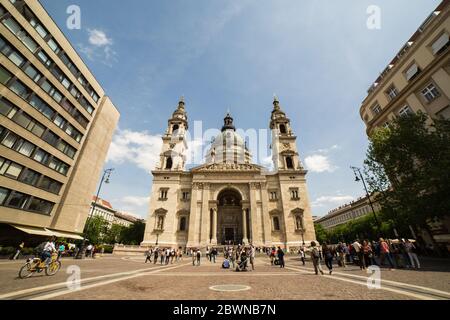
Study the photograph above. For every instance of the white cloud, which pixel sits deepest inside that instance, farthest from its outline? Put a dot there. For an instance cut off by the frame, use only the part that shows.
(331, 201)
(135, 201)
(100, 47)
(98, 38)
(139, 148)
(319, 163)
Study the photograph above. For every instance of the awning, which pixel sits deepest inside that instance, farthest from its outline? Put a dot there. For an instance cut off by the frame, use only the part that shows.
(34, 230)
(47, 232)
(62, 234)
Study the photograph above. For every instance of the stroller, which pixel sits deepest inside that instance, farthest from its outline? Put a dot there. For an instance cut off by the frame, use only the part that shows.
(276, 261)
(242, 265)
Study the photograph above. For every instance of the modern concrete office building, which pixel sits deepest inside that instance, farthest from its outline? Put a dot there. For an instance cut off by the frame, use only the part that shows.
(56, 125)
(417, 78)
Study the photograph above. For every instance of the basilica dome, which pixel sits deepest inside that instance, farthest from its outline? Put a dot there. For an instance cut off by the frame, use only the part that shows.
(228, 146)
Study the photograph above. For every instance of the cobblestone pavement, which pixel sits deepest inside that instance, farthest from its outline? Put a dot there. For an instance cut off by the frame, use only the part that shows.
(129, 278)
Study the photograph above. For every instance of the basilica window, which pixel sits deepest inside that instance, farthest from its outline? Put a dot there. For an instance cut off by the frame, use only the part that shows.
(185, 195)
(163, 193)
(294, 194)
(289, 163)
(183, 223)
(175, 128)
(169, 163)
(276, 224)
(273, 196)
(283, 129)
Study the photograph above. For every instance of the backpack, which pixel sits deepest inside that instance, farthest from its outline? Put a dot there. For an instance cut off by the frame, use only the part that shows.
(315, 253)
(40, 248)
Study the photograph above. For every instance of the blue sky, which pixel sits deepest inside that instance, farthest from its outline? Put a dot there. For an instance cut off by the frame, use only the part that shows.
(318, 56)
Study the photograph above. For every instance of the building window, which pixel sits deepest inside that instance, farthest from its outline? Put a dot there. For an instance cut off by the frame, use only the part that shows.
(283, 129)
(412, 71)
(430, 92)
(289, 163)
(444, 113)
(185, 195)
(4, 76)
(163, 194)
(18, 200)
(392, 92)
(440, 44)
(294, 194)
(276, 224)
(376, 109)
(169, 163)
(183, 223)
(175, 128)
(273, 196)
(3, 195)
(406, 110)
(30, 177)
(10, 169)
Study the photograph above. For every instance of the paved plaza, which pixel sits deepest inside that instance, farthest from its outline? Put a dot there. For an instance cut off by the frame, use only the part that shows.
(122, 278)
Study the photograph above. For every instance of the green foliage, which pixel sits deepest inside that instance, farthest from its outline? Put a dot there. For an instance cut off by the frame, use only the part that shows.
(321, 233)
(408, 165)
(134, 234)
(96, 229)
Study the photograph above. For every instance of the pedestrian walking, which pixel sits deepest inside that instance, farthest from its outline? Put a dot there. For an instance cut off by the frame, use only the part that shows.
(199, 256)
(155, 255)
(280, 254)
(412, 253)
(148, 256)
(252, 255)
(328, 255)
(385, 253)
(367, 253)
(357, 247)
(342, 253)
(315, 257)
(18, 251)
(302, 255)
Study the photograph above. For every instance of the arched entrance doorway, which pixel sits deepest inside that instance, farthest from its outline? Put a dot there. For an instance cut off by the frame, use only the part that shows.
(229, 218)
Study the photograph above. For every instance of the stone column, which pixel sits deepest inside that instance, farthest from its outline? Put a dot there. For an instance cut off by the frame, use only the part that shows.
(244, 225)
(205, 220)
(214, 227)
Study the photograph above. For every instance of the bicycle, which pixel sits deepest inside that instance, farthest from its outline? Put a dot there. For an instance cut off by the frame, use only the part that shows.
(36, 265)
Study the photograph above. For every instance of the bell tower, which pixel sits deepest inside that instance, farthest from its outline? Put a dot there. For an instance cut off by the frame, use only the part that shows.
(173, 153)
(284, 148)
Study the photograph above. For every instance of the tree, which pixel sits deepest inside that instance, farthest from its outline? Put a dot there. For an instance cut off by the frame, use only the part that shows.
(408, 165)
(134, 234)
(113, 234)
(321, 233)
(95, 229)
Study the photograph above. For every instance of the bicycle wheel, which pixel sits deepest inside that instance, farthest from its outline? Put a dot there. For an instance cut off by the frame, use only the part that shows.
(53, 268)
(26, 271)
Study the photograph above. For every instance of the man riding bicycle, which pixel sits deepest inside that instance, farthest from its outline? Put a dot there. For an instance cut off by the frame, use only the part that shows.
(49, 248)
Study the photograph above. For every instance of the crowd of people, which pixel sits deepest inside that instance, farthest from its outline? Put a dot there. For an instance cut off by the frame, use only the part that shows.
(382, 253)
(165, 256)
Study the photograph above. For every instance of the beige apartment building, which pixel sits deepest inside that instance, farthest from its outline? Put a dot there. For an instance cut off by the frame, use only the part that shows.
(105, 210)
(348, 212)
(56, 125)
(417, 78)
(229, 199)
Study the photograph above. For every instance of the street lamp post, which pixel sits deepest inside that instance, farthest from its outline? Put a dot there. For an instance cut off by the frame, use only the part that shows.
(105, 178)
(360, 177)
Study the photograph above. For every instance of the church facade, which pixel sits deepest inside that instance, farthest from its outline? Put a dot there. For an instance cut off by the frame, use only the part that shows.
(229, 199)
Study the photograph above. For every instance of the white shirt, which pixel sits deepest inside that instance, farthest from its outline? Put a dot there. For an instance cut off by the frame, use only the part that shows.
(357, 246)
(49, 246)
